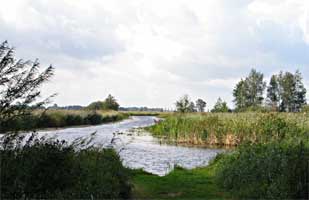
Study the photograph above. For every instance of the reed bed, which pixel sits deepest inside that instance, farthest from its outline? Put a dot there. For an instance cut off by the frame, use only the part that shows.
(232, 129)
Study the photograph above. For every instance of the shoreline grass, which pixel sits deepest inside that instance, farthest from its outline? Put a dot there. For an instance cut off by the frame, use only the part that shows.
(231, 129)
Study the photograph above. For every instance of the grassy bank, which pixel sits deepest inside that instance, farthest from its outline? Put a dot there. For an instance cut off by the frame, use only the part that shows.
(232, 129)
(61, 118)
(179, 184)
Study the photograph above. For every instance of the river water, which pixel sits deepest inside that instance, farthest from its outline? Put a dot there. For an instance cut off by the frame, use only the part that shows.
(138, 149)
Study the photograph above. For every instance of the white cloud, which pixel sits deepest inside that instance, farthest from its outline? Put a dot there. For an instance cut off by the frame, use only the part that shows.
(151, 52)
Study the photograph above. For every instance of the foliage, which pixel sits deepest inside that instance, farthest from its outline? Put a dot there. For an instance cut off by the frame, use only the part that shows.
(249, 92)
(48, 169)
(110, 103)
(220, 106)
(200, 105)
(19, 84)
(267, 171)
(184, 105)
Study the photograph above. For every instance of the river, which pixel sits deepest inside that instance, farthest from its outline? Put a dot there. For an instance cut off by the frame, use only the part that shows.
(138, 149)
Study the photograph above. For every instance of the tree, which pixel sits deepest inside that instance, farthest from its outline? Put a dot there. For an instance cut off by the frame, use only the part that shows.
(200, 105)
(110, 103)
(273, 93)
(220, 106)
(97, 105)
(255, 87)
(249, 92)
(184, 105)
(300, 96)
(20, 82)
(240, 95)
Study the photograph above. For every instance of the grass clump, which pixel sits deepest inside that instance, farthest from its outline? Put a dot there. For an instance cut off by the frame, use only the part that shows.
(47, 169)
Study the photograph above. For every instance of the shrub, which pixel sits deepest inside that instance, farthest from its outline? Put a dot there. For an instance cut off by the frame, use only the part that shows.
(275, 170)
(45, 169)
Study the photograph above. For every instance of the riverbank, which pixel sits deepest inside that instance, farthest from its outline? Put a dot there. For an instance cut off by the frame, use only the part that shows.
(179, 184)
(42, 119)
(271, 155)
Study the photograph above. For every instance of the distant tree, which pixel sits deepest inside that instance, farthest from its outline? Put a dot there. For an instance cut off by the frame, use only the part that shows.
(255, 86)
(200, 105)
(240, 95)
(184, 105)
(110, 103)
(97, 105)
(249, 92)
(273, 93)
(20, 82)
(300, 96)
(288, 92)
(220, 106)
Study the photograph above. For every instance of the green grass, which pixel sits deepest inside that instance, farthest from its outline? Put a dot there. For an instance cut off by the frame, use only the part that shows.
(231, 129)
(179, 184)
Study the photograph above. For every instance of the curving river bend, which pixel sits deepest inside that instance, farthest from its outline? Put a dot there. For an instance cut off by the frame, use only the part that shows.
(139, 149)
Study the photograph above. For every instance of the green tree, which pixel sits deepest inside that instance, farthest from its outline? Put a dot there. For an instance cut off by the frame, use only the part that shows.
(287, 91)
(249, 92)
(220, 106)
(300, 96)
(240, 95)
(97, 105)
(20, 82)
(200, 105)
(273, 93)
(255, 86)
(110, 103)
(184, 105)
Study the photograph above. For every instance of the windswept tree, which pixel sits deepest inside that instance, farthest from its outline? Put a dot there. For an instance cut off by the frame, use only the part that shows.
(184, 105)
(200, 105)
(20, 82)
(220, 106)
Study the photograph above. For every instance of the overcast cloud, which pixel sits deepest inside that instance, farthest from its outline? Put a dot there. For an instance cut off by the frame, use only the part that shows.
(150, 52)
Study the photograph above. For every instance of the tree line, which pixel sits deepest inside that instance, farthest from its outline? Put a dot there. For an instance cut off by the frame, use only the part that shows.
(284, 93)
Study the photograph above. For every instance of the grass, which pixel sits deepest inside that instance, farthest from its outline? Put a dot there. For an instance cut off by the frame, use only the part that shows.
(231, 129)
(179, 184)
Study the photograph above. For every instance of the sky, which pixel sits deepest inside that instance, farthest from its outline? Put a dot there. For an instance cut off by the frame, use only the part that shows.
(151, 52)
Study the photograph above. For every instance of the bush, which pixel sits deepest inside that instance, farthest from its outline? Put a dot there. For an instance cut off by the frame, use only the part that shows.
(274, 170)
(44, 169)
